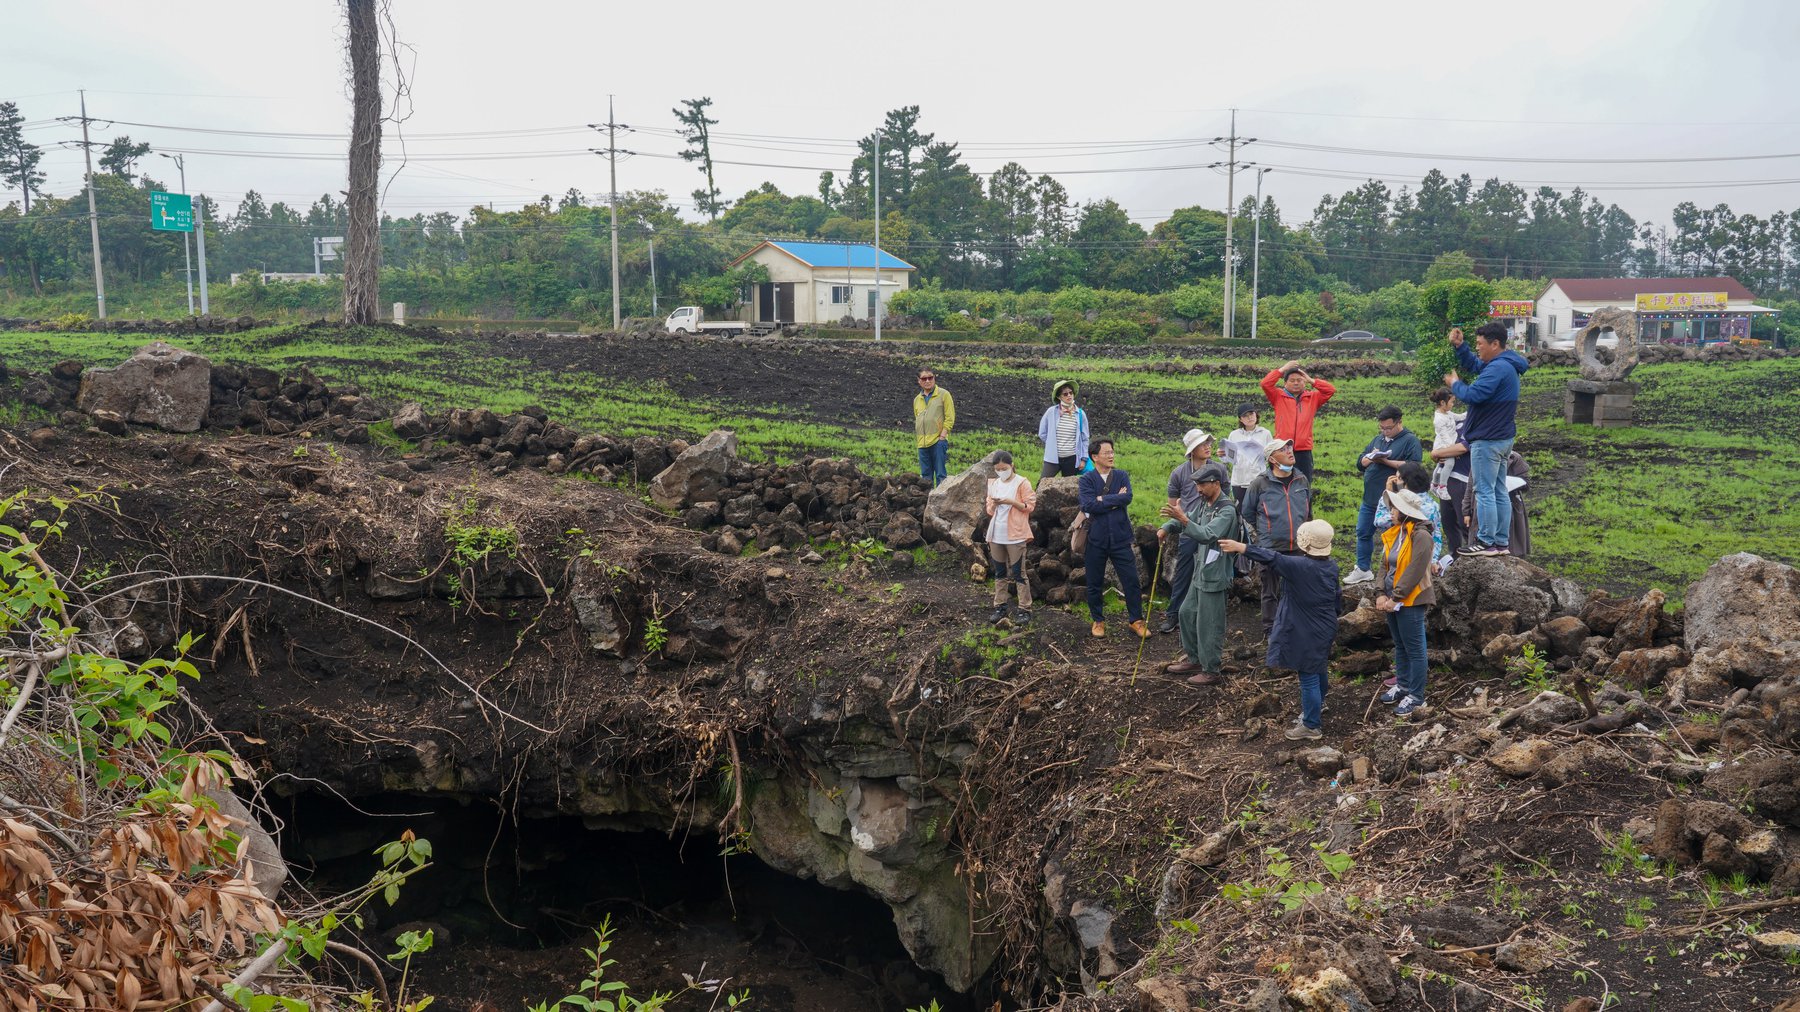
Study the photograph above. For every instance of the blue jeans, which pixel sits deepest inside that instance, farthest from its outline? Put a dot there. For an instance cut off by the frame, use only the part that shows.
(1365, 535)
(1184, 572)
(1493, 507)
(1407, 626)
(934, 460)
(1124, 560)
(1312, 699)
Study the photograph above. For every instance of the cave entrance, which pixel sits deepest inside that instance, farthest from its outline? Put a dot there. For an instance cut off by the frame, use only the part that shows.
(512, 903)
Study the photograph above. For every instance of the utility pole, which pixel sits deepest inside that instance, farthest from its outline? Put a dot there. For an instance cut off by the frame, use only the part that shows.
(612, 152)
(200, 225)
(187, 238)
(87, 153)
(650, 237)
(1256, 251)
(877, 311)
(1232, 143)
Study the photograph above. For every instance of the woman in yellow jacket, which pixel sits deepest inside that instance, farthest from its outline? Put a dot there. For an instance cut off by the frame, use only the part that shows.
(1405, 593)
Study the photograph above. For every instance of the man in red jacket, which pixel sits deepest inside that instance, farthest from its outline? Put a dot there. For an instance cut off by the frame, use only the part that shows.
(1287, 389)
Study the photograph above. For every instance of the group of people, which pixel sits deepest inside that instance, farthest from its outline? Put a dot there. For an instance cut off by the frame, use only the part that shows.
(1244, 506)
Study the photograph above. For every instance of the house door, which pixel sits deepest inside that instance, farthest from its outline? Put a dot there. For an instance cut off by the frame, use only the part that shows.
(785, 301)
(874, 293)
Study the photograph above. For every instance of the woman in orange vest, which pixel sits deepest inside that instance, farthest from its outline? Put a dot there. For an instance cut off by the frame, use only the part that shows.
(1405, 594)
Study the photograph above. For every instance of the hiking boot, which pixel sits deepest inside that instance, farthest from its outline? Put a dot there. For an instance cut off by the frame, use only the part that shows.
(1393, 694)
(1207, 678)
(1300, 732)
(1358, 575)
(1098, 631)
(997, 616)
(1183, 667)
(1408, 706)
(1022, 616)
(1142, 628)
(1168, 625)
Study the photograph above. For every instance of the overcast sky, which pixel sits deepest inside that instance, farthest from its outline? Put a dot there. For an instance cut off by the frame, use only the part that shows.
(1084, 91)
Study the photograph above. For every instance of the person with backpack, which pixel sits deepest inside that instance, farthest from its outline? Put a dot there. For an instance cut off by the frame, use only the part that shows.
(1203, 609)
(1274, 508)
(1197, 449)
(1306, 622)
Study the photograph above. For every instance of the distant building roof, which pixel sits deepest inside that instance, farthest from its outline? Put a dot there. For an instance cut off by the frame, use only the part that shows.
(1620, 289)
(833, 254)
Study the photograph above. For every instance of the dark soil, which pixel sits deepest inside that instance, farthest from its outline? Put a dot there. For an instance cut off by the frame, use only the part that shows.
(1084, 756)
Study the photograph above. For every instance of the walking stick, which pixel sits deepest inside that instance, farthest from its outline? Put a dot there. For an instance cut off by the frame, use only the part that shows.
(1156, 574)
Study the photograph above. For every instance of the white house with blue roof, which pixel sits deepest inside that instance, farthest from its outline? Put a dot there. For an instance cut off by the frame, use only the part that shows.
(823, 282)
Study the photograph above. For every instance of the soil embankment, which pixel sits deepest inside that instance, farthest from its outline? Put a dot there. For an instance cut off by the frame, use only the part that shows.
(1037, 810)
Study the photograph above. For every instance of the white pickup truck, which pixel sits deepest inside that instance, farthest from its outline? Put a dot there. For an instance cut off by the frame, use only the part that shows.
(692, 320)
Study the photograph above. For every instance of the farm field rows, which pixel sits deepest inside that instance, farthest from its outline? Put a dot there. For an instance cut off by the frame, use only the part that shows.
(1709, 471)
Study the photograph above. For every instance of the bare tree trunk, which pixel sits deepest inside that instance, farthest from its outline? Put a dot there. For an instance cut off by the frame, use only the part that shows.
(362, 240)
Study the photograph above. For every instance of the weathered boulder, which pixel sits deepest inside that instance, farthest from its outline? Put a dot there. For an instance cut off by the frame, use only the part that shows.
(1636, 626)
(1478, 586)
(1566, 634)
(956, 509)
(1771, 785)
(902, 532)
(1329, 990)
(1645, 667)
(1743, 620)
(699, 474)
(267, 870)
(1521, 759)
(160, 385)
(410, 421)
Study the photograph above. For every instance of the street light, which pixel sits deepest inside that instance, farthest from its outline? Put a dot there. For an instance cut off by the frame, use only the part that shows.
(651, 239)
(1256, 250)
(187, 238)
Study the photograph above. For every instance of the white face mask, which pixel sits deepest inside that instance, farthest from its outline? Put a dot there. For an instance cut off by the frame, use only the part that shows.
(1003, 473)
(1284, 468)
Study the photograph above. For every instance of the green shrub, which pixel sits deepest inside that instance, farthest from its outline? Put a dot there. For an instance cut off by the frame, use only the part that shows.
(1079, 299)
(1118, 331)
(961, 324)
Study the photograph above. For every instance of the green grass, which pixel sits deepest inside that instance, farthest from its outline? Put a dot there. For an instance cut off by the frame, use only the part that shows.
(1711, 469)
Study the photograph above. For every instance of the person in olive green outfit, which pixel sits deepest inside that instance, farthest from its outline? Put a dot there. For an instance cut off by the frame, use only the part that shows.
(934, 415)
(1203, 612)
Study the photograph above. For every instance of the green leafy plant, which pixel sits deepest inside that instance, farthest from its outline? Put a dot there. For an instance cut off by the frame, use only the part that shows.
(1532, 670)
(597, 994)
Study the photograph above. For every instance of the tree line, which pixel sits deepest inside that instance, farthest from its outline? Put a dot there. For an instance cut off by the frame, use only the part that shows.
(1008, 231)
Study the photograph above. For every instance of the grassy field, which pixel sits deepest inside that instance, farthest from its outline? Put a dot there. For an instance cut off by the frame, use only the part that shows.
(1712, 469)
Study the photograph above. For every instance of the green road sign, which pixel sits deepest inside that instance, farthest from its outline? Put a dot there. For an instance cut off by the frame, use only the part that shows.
(171, 212)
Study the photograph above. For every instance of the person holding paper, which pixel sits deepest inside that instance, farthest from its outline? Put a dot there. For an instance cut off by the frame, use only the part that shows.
(1246, 450)
(1203, 609)
(1392, 446)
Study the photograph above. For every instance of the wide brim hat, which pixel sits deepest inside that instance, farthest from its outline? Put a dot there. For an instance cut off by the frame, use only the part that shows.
(1407, 501)
(1193, 438)
(1314, 538)
(1056, 388)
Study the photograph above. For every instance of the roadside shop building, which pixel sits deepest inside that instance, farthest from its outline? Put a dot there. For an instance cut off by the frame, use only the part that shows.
(823, 282)
(1696, 311)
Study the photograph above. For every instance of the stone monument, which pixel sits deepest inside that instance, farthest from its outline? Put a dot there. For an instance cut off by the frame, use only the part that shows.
(1603, 396)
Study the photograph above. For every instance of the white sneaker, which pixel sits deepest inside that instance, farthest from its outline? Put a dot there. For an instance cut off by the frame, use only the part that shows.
(1358, 576)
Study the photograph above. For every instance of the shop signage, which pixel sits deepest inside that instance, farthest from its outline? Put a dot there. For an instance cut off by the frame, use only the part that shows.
(1662, 302)
(1511, 307)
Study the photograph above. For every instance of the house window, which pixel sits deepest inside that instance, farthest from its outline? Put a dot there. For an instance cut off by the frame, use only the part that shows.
(1553, 330)
(840, 294)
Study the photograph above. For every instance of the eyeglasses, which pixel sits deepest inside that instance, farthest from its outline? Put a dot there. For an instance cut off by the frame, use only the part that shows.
(927, 379)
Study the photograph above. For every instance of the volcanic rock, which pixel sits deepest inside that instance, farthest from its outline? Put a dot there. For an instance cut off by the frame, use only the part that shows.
(160, 385)
(699, 474)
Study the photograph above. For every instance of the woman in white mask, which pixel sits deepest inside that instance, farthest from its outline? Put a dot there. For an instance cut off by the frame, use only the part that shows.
(1009, 501)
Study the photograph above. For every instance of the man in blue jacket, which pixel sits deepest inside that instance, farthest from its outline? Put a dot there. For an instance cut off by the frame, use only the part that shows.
(1489, 429)
(1105, 498)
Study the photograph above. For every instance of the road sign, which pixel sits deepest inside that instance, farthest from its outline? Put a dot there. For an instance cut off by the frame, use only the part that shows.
(171, 212)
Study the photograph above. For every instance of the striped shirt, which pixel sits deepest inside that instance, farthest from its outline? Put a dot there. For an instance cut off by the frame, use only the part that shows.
(1065, 433)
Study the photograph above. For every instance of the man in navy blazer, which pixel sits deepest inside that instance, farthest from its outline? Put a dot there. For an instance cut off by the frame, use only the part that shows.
(1105, 498)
